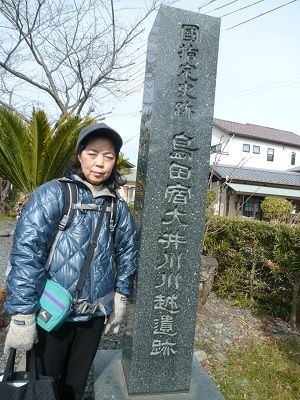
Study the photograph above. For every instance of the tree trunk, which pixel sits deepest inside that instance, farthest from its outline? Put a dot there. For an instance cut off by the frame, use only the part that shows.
(3, 196)
(252, 278)
(295, 314)
(252, 274)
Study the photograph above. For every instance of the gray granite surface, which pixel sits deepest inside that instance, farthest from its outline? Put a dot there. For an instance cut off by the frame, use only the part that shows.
(170, 199)
(110, 382)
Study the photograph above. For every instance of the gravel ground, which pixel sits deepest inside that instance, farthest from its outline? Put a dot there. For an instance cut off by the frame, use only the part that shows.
(6, 227)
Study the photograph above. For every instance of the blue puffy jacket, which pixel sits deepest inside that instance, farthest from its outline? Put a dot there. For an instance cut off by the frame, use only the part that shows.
(113, 265)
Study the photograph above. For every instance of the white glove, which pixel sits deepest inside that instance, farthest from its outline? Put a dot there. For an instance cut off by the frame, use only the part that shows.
(117, 315)
(21, 333)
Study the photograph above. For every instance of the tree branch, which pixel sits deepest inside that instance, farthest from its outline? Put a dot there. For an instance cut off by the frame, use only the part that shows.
(9, 107)
(67, 50)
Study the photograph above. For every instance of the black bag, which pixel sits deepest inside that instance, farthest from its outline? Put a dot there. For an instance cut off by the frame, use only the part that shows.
(26, 385)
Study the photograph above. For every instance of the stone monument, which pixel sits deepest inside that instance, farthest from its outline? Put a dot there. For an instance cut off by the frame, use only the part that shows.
(157, 356)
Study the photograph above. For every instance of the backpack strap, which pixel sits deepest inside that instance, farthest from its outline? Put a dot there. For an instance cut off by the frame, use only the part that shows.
(90, 253)
(71, 204)
(70, 197)
(69, 189)
(113, 214)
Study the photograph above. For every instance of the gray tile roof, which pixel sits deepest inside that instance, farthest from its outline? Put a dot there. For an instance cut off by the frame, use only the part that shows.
(295, 169)
(258, 132)
(131, 177)
(243, 174)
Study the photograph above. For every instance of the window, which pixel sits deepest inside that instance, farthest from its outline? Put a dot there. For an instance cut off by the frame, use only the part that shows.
(293, 158)
(270, 155)
(216, 148)
(252, 207)
(256, 149)
(130, 194)
(246, 148)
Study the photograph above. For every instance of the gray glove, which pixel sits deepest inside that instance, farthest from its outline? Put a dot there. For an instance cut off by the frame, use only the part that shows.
(21, 333)
(117, 315)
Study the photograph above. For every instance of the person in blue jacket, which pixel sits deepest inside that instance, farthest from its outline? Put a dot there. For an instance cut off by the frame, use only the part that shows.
(68, 352)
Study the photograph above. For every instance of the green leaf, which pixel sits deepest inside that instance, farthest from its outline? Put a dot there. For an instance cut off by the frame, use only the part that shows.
(31, 154)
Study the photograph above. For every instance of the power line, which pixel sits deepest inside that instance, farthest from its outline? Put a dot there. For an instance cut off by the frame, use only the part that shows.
(123, 85)
(207, 3)
(142, 70)
(132, 137)
(136, 88)
(127, 80)
(136, 85)
(242, 8)
(128, 113)
(134, 51)
(245, 92)
(254, 90)
(218, 8)
(119, 88)
(127, 86)
(132, 67)
(260, 15)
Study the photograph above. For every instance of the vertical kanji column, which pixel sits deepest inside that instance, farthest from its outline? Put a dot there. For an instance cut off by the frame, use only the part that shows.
(170, 199)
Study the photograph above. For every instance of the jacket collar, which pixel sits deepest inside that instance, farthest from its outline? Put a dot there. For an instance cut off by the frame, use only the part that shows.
(97, 191)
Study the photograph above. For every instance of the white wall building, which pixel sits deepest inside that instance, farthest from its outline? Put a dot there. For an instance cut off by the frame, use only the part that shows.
(248, 162)
(127, 192)
(254, 146)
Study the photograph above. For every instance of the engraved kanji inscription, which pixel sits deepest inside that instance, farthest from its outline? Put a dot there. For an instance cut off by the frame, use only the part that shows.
(166, 303)
(165, 348)
(190, 33)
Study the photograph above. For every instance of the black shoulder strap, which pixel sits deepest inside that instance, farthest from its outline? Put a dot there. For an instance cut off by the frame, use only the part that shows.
(70, 197)
(90, 252)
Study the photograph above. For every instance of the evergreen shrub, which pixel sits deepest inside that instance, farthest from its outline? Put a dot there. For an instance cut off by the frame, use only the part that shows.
(259, 263)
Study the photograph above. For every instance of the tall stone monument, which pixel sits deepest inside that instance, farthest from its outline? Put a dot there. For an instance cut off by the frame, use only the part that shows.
(176, 126)
(170, 198)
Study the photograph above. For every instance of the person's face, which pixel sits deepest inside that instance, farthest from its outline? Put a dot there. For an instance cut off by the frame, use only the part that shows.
(97, 160)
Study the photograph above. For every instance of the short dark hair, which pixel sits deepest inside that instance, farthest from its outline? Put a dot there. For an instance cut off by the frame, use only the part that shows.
(113, 182)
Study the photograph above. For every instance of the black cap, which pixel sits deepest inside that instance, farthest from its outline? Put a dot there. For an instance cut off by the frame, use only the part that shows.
(103, 130)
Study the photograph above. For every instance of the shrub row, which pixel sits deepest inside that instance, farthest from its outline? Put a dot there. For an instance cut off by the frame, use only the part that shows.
(259, 263)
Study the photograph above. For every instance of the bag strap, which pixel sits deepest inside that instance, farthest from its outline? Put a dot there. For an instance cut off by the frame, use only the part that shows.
(90, 253)
(10, 365)
(30, 365)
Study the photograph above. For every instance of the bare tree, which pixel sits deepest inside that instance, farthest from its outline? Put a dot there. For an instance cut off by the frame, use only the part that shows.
(66, 54)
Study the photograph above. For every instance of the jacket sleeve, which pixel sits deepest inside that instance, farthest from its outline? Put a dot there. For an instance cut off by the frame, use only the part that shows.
(126, 250)
(33, 237)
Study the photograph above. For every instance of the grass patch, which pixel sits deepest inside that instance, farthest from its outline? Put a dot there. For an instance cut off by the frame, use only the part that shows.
(269, 370)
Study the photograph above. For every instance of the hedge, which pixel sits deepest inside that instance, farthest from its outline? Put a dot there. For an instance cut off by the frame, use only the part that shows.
(259, 264)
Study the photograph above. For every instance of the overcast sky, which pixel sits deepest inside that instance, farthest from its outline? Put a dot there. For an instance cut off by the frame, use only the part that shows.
(258, 79)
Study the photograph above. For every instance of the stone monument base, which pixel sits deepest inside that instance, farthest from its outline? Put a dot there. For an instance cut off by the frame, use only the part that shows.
(110, 382)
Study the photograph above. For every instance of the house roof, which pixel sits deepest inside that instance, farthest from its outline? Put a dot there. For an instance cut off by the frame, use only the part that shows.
(295, 169)
(242, 174)
(262, 190)
(258, 132)
(131, 177)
